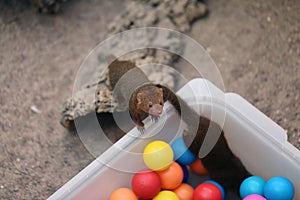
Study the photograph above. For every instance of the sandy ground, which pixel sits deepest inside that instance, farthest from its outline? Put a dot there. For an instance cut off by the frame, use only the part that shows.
(256, 46)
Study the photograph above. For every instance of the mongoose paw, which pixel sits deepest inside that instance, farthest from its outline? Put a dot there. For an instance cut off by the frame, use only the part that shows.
(154, 118)
(141, 129)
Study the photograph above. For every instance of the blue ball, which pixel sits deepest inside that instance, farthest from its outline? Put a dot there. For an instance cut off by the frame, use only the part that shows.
(279, 188)
(185, 173)
(221, 188)
(252, 185)
(182, 154)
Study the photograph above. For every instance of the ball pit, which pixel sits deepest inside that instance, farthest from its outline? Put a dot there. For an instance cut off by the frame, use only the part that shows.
(167, 181)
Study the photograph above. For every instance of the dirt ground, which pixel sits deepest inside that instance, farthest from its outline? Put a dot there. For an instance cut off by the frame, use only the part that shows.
(255, 44)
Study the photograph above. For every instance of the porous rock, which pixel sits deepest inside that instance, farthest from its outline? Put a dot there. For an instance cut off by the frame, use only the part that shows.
(173, 14)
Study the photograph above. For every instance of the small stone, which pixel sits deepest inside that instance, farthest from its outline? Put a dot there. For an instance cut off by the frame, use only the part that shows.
(35, 109)
(1, 186)
(16, 188)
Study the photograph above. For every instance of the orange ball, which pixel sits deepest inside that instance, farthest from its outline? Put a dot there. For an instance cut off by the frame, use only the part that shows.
(184, 192)
(123, 194)
(198, 167)
(171, 177)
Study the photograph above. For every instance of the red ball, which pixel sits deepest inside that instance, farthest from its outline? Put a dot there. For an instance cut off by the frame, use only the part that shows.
(207, 191)
(146, 184)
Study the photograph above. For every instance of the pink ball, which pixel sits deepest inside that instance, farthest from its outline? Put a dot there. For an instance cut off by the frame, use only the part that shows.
(254, 197)
(146, 184)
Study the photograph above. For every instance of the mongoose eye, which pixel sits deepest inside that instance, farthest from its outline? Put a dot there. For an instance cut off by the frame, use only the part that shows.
(150, 105)
(160, 103)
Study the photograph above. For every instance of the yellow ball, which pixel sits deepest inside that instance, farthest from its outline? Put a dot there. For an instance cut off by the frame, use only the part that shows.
(158, 155)
(166, 195)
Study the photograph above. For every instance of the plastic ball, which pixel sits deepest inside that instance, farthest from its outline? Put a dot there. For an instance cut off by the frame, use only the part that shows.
(171, 177)
(182, 154)
(146, 184)
(158, 155)
(252, 185)
(166, 195)
(254, 197)
(279, 188)
(198, 167)
(123, 194)
(185, 173)
(207, 191)
(221, 188)
(184, 192)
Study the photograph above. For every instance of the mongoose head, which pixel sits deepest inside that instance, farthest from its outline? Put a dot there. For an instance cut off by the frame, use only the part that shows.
(150, 100)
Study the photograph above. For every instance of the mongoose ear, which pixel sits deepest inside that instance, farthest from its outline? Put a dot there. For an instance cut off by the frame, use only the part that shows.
(140, 97)
(160, 90)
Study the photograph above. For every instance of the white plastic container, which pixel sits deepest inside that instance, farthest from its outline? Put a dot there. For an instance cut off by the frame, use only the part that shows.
(260, 143)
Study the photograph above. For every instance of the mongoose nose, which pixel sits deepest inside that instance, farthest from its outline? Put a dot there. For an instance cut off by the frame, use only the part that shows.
(156, 109)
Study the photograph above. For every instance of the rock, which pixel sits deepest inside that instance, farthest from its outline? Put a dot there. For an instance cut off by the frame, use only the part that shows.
(172, 14)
